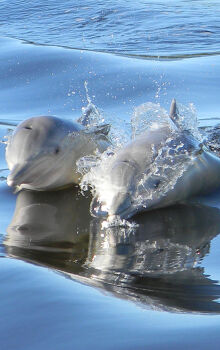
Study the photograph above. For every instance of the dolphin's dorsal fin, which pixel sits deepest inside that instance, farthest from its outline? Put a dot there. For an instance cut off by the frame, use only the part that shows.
(174, 113)
(99, 129)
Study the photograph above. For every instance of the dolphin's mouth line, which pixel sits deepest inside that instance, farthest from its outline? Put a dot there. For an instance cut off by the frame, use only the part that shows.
(31, 172)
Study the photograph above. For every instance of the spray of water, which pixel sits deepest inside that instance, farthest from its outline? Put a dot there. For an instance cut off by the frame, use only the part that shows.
(169, 160)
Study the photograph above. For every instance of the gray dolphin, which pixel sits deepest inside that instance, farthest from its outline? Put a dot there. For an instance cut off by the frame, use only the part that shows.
(163, 166)
(43, 151)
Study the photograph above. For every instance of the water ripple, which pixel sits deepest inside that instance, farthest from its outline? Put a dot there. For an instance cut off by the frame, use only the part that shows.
(140, 28)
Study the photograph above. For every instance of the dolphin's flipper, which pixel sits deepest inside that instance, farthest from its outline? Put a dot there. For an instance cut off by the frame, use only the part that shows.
(91, 113)
(101, 129)
(100, 134)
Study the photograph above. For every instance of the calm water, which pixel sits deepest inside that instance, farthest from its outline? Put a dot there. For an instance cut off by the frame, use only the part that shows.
(67, 281)
(143, 27)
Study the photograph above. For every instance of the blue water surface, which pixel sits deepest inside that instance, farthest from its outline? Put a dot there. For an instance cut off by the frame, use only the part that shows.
(144, 27)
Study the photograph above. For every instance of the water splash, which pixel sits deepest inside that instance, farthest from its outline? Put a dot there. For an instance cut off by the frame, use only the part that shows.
(148, 115)
(169, 159)
(126, 226)
(91, 116)
(189, 121)
(168, 164)
(92, 169)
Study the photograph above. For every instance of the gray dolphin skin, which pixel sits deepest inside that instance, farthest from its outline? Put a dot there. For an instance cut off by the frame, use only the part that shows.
(43, 151)
(163, 166)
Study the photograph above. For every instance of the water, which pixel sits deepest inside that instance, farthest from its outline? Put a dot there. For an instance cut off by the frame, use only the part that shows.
(129, 27)
(69, 280)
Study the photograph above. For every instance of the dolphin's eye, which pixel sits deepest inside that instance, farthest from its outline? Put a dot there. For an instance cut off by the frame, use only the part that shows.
(57, 150)
(28, 127)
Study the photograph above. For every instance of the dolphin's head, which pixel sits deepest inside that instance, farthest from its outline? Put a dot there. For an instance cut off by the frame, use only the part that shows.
(39, 153)
(115, 188)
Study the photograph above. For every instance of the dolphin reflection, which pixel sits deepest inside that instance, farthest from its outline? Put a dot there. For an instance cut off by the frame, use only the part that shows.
(156, 262)
(50, 227)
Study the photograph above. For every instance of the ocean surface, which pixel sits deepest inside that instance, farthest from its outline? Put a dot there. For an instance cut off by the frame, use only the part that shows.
(67, 280)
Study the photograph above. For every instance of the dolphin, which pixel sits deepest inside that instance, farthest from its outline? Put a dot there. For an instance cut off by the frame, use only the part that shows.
(162, 166)
(43, 151)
